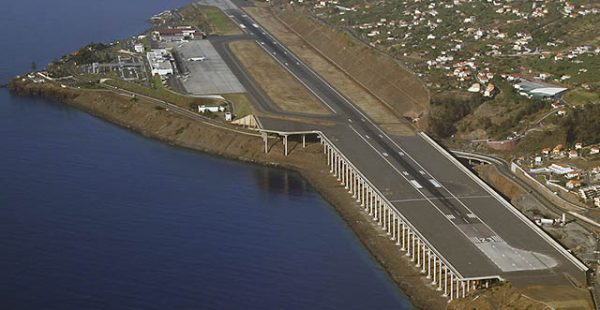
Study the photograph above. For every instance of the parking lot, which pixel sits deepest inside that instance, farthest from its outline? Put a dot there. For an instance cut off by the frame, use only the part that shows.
(205, 71)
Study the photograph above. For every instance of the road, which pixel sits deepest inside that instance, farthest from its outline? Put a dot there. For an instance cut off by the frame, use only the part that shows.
(477, 233)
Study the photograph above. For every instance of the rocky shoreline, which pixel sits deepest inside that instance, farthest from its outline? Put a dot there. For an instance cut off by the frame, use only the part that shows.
(154, 122)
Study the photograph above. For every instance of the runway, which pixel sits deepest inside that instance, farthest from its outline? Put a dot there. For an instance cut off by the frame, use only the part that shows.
(475, 231)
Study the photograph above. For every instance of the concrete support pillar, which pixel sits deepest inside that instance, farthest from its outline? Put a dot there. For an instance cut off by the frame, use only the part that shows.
(346, 175)
(285, 144)
(352, 183)
(330, 160)
(412, 247)
(425, 263)
(429, 264)
(394, 227)
(389, 220)
(382, 214)
(362, 194)
(418, 252)
(369, 202)
(468, 286)
(440, 279)
(434, 271)
(265, 137)
(375, 206)
(408, 248)
(343, 172)
(335, 164)
(349, 179)
(451, 286)
(462, 286)
(378, 216)
(403, 242)
(303, 141)
(445, 282)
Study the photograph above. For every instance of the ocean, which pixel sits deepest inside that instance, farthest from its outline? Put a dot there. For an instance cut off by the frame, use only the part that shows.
(93, 216)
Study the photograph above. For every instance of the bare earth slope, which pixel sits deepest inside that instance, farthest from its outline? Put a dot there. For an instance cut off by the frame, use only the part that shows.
(377, 72)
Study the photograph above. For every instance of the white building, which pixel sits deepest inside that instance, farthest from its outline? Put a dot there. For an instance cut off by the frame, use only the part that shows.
(560, 169)
(203, 108)
(160, 62)
(138, 47)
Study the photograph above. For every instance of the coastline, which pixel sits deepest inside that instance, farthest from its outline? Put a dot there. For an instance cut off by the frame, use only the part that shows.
(146, 119)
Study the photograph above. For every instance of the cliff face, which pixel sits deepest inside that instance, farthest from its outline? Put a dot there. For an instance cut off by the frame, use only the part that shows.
(45, 90)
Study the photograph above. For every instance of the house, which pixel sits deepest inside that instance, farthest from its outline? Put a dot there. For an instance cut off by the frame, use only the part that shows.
(573, 154)
(490, 91)
(177, 34)
(578, 145)
(572, 175)
(594, 150)
(546, 151)
(138, 47)
(214, 109)
(560, 169)
(571, 184)
(538, 160)
(558, 150)
(475, 88)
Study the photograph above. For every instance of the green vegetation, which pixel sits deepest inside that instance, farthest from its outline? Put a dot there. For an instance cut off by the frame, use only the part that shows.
(582, 124)
(157, 82)
(241, 105)
(161, 93)
(219, 22)
(579, 96)
(94, 52)
(448, 109)
(208, 17)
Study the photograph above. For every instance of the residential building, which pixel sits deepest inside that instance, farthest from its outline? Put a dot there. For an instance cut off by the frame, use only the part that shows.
(572, 184)
(560, 169)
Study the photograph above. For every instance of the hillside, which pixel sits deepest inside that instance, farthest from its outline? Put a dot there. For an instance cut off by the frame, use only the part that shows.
(453, 45)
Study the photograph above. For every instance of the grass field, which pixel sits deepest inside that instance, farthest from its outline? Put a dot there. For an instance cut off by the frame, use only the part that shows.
(208, 18)
(160, 93)
(241, 105)
(581, 96)
(219, 22)
(281, 87)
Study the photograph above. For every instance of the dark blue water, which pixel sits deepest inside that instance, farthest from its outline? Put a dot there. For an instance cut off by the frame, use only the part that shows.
(95, 217)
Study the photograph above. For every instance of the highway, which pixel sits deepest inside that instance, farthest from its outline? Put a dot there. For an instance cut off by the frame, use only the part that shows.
(478, 234)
